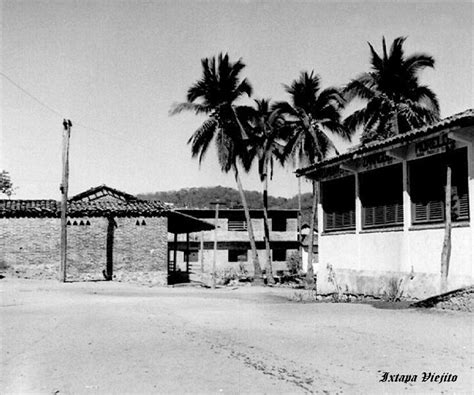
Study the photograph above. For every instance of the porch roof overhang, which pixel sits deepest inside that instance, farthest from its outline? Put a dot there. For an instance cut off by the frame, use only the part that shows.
(341, 164)
(10, 208)
(183, 223)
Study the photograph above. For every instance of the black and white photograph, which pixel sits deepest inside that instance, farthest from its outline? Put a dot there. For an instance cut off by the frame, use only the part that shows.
(236, 197)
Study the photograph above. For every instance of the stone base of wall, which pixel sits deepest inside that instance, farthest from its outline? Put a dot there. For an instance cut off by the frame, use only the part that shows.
(50, 272)
(410, 285)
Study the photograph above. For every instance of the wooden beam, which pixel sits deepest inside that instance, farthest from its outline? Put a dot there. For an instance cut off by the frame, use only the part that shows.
(462, 135)
(109, 269)
(400, 153)
(187, 252)
(175, 252)
(350, 167)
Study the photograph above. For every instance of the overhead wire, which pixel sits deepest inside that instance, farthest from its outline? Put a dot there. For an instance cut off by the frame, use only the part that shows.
(75, 123)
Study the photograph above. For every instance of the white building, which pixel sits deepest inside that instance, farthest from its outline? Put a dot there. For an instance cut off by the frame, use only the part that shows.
(381, 210)
(196, 254)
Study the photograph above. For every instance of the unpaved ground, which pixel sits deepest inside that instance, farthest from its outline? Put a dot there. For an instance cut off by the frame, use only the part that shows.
(120, 338)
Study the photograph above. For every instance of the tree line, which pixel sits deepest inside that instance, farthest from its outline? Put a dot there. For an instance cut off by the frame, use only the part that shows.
(202, 197)
(300, 131)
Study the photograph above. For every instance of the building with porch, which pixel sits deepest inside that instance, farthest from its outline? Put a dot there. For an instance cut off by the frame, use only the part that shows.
(381, 211)
(111, 235)
(233, 245)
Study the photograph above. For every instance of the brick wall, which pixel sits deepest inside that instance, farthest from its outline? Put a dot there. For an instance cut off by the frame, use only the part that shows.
(30, 248)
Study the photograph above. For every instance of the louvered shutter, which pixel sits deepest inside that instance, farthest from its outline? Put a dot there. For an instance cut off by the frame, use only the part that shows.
(339, 204)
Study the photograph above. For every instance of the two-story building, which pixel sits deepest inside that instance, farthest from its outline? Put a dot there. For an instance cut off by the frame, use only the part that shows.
(233, 245)
(381, 212)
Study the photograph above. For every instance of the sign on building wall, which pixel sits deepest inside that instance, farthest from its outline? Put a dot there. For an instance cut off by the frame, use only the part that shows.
(434, 145)
(375, 161)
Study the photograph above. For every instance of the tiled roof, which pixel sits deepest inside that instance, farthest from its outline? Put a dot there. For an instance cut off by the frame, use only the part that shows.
(136, 208)
(86, 204)
(52, 208)
(28, 208)
(464, 118)
(103, 190)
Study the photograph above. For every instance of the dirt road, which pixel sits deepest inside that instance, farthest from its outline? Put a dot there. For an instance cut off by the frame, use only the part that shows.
(119, 338)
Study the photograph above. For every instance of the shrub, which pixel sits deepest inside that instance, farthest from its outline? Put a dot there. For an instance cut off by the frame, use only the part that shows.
(294, 262)
(394, 291)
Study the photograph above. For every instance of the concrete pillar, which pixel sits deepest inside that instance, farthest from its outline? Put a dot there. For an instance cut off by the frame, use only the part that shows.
(320, 210)
(358, 219)
(407, 219)
(470, 163)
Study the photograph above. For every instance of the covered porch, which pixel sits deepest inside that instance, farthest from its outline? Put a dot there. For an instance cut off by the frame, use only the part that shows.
(182, 224)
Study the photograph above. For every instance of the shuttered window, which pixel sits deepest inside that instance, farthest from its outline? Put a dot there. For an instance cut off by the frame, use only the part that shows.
(427, 187)
(381, 194)
(239, 225)
(339, 204)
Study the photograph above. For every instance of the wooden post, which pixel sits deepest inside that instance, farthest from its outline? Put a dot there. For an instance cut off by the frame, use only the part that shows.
(175, 252)
(446, 252)
(202, 252)
(64, 190)
(187, 252)
(109, 270)
(215, 248)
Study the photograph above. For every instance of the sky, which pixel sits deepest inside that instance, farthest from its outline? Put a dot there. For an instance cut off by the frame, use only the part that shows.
(114, 68)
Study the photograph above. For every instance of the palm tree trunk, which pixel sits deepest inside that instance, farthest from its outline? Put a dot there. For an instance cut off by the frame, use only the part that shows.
(396, 128)
(300, 248)
(446, 252)
(310, 271)
(258, 279)
(266, 227)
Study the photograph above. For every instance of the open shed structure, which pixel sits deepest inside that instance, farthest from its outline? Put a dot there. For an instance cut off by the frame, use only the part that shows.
(111, 234)
(381, 212)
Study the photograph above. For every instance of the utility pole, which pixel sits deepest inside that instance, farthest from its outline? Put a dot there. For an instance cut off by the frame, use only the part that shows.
(64, 189)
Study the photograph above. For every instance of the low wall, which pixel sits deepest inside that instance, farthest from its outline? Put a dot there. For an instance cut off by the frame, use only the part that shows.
(30, 247)
(375, 263)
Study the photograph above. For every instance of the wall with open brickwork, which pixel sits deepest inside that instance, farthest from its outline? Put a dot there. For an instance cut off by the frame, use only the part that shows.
(30, 248)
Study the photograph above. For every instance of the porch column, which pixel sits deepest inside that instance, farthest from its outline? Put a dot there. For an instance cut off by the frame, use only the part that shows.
(358, 218)
(470, 161)
(201, 252)
(407, 218)
(187, 252)
(175, 251)
(320, 212)
(466, 135)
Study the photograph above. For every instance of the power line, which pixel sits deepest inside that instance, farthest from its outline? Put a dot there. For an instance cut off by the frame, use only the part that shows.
(63, 117)
(31, 95)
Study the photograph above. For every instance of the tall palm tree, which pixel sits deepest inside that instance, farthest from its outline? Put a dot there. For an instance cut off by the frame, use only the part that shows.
(395, 100)
(266, 144)
(312, 115)
(215, 95)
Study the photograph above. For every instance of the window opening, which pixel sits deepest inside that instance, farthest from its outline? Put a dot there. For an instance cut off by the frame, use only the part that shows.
(279, 254)
(279, 224)
(338, 199)
(237, 225)
(427, 187)
(237, 255)
(381, 195)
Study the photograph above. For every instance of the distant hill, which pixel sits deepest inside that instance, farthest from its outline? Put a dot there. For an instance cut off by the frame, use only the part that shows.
(203, 197)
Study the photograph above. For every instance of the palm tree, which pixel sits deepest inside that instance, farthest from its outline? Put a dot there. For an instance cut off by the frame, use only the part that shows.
(215, 95)
(395, 100)
(266, 144)
(311, 115)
